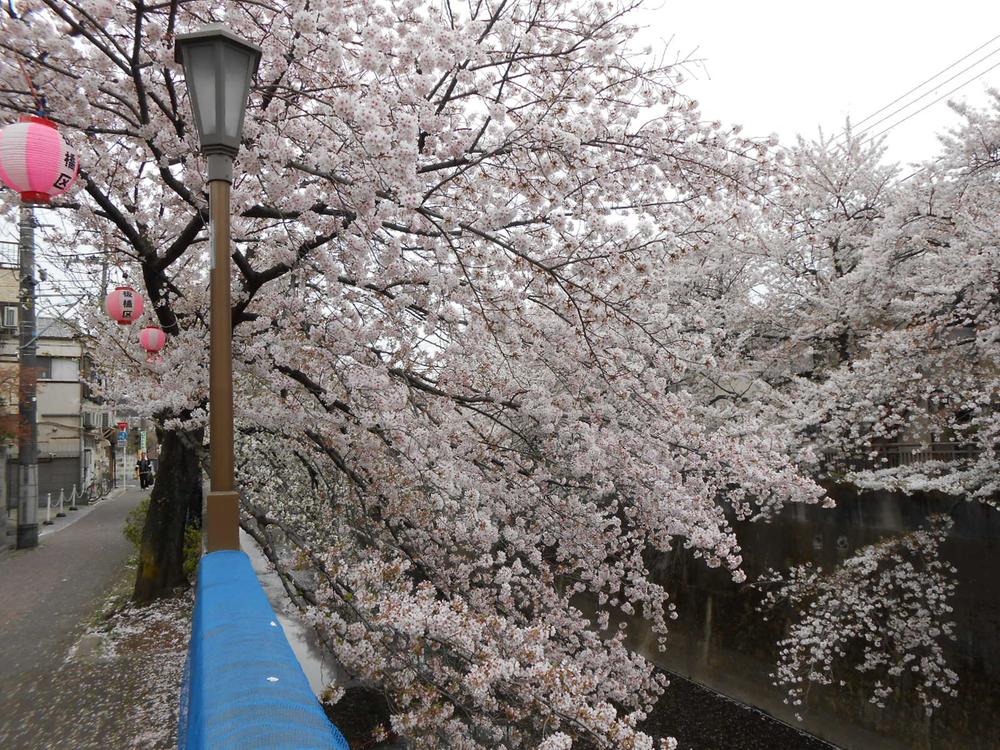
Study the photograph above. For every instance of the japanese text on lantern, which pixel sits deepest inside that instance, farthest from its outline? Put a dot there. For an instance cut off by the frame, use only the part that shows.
(67, 172)
(128, 306)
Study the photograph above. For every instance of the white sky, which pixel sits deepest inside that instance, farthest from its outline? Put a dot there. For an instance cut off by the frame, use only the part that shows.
(785, 67)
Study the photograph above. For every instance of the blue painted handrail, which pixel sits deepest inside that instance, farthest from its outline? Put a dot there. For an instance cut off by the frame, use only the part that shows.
(243, 687)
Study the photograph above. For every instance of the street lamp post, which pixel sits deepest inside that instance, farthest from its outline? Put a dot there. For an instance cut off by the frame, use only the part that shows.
(218, 66)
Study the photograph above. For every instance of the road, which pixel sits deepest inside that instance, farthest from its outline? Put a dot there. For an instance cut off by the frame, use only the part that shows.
(47, 597)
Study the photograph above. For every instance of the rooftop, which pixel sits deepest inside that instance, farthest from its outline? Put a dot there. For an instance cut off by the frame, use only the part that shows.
(56, 328)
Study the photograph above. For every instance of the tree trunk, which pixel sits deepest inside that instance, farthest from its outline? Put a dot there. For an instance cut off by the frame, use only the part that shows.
(174, 504)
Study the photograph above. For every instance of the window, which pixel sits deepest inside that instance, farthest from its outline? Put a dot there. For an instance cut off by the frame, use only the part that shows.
(66, 369)
(9, 316)
(44, 367)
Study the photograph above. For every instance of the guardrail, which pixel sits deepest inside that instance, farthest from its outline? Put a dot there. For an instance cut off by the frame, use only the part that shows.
(907, 454)
(243, 687)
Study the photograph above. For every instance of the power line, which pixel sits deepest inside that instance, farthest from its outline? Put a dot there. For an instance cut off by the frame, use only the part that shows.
(928, 106)
(922, 84)
(928, 93)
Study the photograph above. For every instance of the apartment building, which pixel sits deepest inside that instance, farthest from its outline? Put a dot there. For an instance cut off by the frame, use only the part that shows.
(77, 434)
(73, 430)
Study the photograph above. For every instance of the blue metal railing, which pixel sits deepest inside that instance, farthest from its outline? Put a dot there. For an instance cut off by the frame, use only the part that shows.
(243, 686)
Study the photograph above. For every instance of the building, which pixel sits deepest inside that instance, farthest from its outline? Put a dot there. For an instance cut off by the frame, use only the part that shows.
(73, 430)
(77, 433)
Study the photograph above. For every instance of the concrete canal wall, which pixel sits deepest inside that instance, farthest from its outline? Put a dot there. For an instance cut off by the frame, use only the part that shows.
(720, 640)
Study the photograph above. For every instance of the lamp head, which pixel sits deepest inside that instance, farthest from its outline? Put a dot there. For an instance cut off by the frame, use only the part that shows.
(218, 68)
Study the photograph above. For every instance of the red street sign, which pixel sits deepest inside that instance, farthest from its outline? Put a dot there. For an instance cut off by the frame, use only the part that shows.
(122, 426)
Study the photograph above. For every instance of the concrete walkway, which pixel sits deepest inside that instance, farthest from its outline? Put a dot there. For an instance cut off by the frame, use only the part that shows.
(47, 597)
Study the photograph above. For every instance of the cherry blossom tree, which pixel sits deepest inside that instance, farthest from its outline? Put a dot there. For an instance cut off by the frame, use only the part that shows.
(469, 403)
(873, 320)
(861, 310)
(884, 611)
(13, 388)
(930, 371)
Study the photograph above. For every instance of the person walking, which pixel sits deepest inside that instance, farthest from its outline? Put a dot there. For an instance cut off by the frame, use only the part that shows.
(144, 467)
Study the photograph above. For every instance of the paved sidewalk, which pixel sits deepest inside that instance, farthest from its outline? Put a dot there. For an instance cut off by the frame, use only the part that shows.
(47, 596)
(72, 516)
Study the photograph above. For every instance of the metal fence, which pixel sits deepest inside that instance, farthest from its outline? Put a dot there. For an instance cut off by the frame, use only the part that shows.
(906, 454)
(894, 455)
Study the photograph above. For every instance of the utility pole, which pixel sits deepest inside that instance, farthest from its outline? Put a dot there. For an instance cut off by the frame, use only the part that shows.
(104, 279)
(27, 434)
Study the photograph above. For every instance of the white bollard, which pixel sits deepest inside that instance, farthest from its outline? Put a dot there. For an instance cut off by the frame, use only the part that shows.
(48, 509)
(72, 499)
(61, 513)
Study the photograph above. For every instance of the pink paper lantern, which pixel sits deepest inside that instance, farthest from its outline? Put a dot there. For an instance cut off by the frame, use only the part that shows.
(36, 161)
(152, 339)
(124, 305)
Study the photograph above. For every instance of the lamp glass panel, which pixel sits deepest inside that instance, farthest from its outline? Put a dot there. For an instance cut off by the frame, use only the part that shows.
(200, 74)
(236, 72)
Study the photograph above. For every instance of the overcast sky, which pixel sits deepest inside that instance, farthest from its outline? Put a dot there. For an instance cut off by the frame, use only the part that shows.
(785, 67)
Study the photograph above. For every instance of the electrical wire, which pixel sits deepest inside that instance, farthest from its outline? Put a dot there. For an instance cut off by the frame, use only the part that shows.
(932, 91)
(924, 83)
(928, 106)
